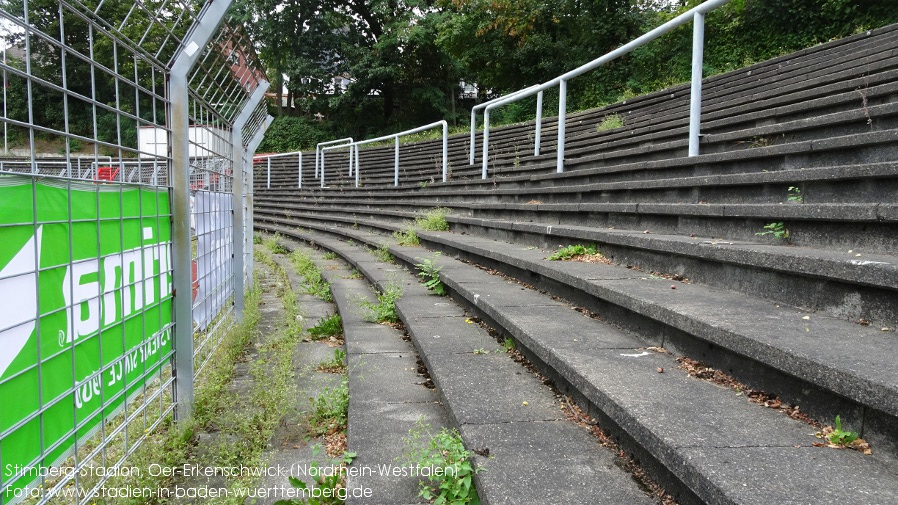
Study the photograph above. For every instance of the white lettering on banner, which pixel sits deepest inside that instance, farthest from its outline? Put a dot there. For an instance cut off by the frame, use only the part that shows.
(129, 284)
(19, 315)
(130, 362)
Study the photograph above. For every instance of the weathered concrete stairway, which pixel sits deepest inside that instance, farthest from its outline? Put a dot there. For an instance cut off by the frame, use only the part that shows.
(807, 140)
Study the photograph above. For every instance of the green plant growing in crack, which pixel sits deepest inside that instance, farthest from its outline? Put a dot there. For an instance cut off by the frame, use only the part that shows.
(794, 195)
(335, 364)
(508, 344)
(330, 409)
(330, 255)
(383, 253)
(384, 311)
(329, 485)
(433, 220)
(481, 350)
(840, 436)
(777, 229)
(313, 282)
(444, 449)
(328, 326)
(430, 275)
(610, 122)
(566, 253)
(407, 236)
(273, 244)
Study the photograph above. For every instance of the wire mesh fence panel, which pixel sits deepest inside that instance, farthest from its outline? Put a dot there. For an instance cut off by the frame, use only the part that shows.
(86, 229)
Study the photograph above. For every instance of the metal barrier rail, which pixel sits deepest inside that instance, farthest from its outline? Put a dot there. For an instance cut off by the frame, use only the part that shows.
(473, 148)
(268, 158)
(352, 150)
(696, 15)
(355, 147)
(319, 145)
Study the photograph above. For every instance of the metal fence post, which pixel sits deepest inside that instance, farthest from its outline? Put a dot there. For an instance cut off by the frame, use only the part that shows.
(356, 149)
(300, 169)
(239, 192)
(201, 33)
(695, 100)
(537, 137)
(562, 118)
(250, 151)
(268, 179)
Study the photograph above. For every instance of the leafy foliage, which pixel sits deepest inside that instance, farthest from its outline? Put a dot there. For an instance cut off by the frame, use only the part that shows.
(314, 282)
(430, 276)
(328, 326)
(384, 311)
(444, 450)
(778, 230)
(566, 253)
(336, 363)
(383, 253)
(841, 437)
(288, 134)
(330, 410)
(330, 487)
(610, 123)
(407, 236)
(433, 220)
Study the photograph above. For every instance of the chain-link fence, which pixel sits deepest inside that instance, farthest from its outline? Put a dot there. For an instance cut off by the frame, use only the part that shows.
(123, 230)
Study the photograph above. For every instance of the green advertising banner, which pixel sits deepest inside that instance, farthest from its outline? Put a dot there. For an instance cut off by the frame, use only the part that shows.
(86, 315)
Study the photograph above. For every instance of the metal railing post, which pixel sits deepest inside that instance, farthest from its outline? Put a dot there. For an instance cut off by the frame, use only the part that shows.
(486, 140)
(445, 149)
(350, 160)
(200, 35)
(396, 163)
(321, 171)
(319, 150)
(300, 170)
(268, 182)
(562, 118)
(473, 136)
(695, 99)
(537, 137)
(238, 170)
(356, 148)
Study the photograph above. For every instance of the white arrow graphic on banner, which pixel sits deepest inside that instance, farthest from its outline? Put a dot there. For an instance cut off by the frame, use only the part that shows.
(18, 280)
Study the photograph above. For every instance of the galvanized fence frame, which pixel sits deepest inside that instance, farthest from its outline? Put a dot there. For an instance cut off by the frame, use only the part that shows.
(151, 104)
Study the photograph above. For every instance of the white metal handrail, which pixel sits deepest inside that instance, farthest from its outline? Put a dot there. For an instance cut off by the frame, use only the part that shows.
(696, 15)
(319, 145)
(396, 136)
(484, 105)
(268, 158)
(329, 148)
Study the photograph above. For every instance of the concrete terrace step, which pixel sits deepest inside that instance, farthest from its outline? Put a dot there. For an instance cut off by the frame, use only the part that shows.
(822, 389)
(842, 207)
(832, 184)
(535, 455)
(387, 395)
(711, 446)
